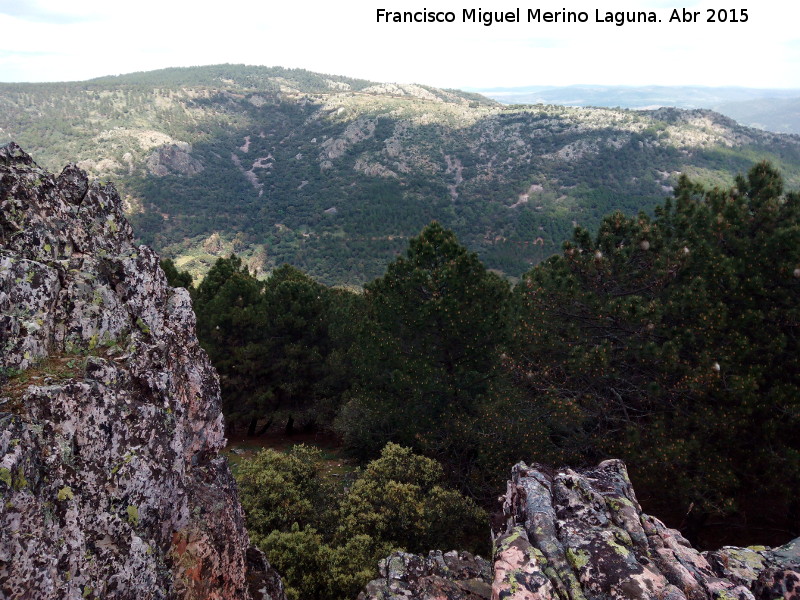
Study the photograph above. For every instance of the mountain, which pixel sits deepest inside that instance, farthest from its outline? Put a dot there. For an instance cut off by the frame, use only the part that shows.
(781, 115)
(776, 110)
(333, 174)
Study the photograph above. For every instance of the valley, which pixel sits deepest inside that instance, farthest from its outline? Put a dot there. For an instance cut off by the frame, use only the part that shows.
(333, 174)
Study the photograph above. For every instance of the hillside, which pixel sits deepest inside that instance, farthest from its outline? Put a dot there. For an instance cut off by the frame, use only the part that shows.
(334, 174)
(775, 110)
(773, 114)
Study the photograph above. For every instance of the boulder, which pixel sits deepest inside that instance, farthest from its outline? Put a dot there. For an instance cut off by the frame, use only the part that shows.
(572, 534)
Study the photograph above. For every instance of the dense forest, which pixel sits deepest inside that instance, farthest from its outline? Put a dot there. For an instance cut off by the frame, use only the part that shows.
(669, 340)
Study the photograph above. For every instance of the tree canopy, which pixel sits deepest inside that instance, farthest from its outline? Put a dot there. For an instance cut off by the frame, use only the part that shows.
(326, 541)
(268, 340)
(673, 342)
(668, 340)
(435, 326)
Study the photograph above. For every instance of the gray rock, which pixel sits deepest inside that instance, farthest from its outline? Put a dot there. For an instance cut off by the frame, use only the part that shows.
(581, 535)
(73, 184)
(450, 576)
(110, 426)
(174, 158)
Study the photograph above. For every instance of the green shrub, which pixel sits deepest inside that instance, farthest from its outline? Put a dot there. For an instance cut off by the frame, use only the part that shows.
(312, 569)
(399, 498)
(279, 490)
(326, 542)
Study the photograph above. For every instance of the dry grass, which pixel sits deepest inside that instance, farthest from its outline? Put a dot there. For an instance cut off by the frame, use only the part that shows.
(49, 371)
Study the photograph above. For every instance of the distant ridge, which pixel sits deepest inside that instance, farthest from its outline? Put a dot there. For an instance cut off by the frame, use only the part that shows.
(776, 110)
(332, 174)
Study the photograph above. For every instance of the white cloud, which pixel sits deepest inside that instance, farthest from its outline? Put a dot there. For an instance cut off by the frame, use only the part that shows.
(53, 40)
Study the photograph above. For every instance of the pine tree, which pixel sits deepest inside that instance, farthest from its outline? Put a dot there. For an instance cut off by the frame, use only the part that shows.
(672, 343)
(229, 324)
(175, 277)
(294, 341)
(268, 340)
(436, 324)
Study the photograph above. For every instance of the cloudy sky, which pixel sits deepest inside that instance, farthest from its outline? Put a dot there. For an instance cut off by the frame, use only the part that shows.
(53, 40)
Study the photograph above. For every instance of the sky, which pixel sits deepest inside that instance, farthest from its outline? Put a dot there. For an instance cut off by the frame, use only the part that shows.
(53, 40)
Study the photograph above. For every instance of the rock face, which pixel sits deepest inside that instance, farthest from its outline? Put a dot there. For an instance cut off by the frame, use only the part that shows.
(174, 158)
(110, 426)
(571, 534)
(581, 535)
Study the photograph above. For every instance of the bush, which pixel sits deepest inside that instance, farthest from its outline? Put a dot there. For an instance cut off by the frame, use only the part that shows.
(313, 569)
(279, 490)
(326, 541)
(399, 499)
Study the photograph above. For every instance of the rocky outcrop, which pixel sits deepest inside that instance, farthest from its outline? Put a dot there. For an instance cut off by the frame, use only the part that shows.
(174, 159)
(450, 576)
(110, 426)
(581, 534)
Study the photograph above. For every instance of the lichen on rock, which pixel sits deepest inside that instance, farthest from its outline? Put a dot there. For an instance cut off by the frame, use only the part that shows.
(572, 534)
(445, 576)
(110, 425)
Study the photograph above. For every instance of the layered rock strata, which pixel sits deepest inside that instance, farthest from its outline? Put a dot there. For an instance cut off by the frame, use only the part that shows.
(110, 425)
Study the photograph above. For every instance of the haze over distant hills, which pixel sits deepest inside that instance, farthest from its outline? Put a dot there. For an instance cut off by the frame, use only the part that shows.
(776, 110)
(334, 174)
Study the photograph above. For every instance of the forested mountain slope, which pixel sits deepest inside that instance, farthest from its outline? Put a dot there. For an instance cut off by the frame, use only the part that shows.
(334, 174)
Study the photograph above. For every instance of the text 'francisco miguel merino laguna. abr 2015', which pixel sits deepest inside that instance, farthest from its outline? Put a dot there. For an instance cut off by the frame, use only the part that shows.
(618, 18)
